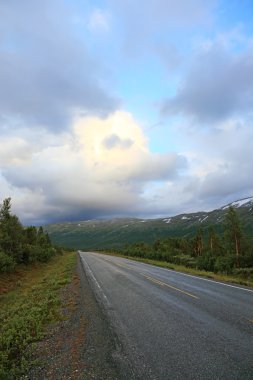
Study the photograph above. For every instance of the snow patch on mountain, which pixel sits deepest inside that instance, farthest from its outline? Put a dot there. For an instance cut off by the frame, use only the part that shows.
(239, 203)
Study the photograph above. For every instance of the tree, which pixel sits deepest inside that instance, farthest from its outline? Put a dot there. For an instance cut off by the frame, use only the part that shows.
(30, 235)
(233, 233)
(5, 210)
(214, 243)
(199, 245)
(43, 238)
(11, 232)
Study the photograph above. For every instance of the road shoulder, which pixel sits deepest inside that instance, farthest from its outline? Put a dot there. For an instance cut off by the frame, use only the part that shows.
(83, 345)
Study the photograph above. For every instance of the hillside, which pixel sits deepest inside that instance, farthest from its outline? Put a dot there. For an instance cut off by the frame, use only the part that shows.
(96, 234)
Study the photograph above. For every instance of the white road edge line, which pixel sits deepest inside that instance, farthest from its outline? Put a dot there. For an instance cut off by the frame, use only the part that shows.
(200, 278)
(93, 277)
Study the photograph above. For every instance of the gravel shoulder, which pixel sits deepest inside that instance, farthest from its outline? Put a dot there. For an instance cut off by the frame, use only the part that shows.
(82, 345)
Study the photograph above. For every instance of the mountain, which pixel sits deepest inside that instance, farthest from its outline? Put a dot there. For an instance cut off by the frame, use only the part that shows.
(98, 234)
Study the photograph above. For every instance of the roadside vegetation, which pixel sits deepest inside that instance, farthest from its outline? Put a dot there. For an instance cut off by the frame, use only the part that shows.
(32, 272)
(221, 254)
(30, 299)
(21, 245)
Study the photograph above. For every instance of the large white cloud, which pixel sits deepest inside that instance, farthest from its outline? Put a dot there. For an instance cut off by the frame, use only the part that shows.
(99, 168)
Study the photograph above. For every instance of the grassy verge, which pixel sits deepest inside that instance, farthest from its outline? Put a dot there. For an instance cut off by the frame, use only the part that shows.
(30, 299)
(180, 268)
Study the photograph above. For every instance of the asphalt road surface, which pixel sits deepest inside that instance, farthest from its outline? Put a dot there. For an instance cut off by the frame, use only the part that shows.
(173, 325)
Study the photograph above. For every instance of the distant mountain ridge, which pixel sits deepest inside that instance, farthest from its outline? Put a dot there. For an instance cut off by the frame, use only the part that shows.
(113, 233)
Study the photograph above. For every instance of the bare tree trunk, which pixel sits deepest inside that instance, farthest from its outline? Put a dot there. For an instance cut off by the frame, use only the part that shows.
(237, 249)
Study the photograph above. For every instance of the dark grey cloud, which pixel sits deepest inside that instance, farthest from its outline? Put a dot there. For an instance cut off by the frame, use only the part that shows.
(158, 167)
(231, 179)
(114, 141)
(218, 85)
(46, 71)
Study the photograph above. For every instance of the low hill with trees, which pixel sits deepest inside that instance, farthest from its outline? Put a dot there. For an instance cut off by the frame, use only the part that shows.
(217, 241)
(116, 233)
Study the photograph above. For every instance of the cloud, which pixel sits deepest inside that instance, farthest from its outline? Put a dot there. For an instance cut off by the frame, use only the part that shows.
(229, 178)
(47, 74)
(99, 168)
(145, 22)
(160, 12)
(98, 21)
(218, 172)
(169, 55)
(218, 85)
(92, 171)
(136, 163)
(114, 141)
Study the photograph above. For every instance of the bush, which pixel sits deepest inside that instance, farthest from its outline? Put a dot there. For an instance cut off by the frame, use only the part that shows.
(246, 260)
(185, 260)
(225, 264)
(44, 254)
(244, 272)
(7, 264)
(38, 253)
(206, 262)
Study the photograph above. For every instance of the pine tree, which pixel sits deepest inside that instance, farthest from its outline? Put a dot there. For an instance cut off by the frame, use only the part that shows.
(199, 242)
(11, 232)
(233, 233)
(213, 241)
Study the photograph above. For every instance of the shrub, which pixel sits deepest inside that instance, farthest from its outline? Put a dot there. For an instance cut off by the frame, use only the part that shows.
(225, 264)
(7, 264)
(246, 260)
(185, 260)
(206, 262)
(43, 254)
(244, 272)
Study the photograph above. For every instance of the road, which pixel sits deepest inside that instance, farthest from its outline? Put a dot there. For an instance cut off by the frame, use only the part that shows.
(173, 325)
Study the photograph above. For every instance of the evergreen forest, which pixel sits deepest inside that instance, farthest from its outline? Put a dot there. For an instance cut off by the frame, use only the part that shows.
(19, 244)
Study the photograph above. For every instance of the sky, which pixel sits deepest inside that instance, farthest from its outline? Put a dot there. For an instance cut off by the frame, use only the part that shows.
(124, 108)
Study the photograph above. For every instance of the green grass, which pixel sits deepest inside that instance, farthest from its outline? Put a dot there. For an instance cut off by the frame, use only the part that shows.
(25, 310)
(180, 268)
